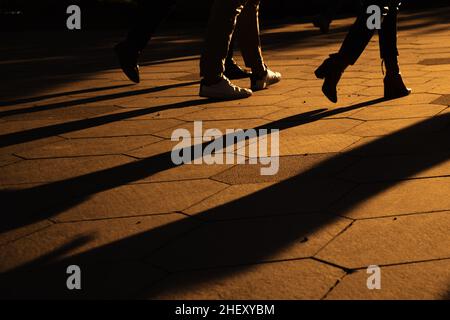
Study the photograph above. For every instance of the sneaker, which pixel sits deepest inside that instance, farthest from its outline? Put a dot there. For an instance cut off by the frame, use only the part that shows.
(128, 61)
(268, 79)
(224, 90)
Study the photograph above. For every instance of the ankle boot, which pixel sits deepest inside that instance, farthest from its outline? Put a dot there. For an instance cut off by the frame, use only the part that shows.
(394, 86)
(331, 70)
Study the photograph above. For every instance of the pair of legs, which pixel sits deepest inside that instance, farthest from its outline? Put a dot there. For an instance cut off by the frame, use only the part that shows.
(354, 45)
(150, 15)
(228, 18)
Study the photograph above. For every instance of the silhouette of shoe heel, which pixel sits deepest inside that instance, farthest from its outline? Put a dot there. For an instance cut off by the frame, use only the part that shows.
(320, 72)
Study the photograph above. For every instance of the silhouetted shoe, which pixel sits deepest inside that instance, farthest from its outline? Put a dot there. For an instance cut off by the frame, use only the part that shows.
(394, 86)
(223, 90)
(331, 70)
(128, 61)
(233, 71)
(322, 23)
(262, 82)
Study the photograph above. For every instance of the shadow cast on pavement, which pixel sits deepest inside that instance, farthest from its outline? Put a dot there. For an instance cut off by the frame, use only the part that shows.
(225, 242)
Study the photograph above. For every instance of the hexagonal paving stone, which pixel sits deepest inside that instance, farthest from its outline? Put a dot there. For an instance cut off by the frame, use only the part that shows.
(320, 127)
(142, 199)
(154, 149)
(398, 112)
(229, 243)
(443, 100)
(89, 147)
(399, 167)
(229, 113)
(388, 241)
(6, 159)
(47, 170)
(303, 279)
(61, 113)
(221, 125)
(289, 166)
(324, 143)
(9, 236)
(9, 127)
(401, 144)
(386, 127)
(416, 281)
(396, 198)
(414, 98)
(124, 128)
(255, 100)
(299, 194)
(103, 240)
(187, 172)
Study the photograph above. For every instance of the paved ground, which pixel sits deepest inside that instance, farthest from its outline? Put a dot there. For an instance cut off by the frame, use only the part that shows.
(86, 176)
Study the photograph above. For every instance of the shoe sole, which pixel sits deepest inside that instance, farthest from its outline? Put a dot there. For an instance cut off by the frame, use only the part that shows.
(223, 98)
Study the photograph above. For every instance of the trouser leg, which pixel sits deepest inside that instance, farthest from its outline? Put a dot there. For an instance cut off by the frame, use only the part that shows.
(388, 39)
(149, 17)
(357, 38)
(221, 26)
(248, 35)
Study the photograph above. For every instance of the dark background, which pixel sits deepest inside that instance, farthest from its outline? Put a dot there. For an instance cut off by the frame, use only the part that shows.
(97, 14)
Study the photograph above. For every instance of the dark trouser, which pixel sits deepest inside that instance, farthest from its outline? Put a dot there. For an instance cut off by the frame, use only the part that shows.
(150, 15)
(359, 35)
(331, 8)
(226, 16)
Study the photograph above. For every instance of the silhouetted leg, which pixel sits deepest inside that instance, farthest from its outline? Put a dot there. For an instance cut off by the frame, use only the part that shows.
(150, 15)
(248, 35)
(357, 38)
(388, 39)
(221, 26)
(232, 69)
(394, 86)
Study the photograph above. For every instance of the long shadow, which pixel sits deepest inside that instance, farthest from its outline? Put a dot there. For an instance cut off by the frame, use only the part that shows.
(228, 242)
(50, 199)
(106, 97)
(61, 94)
(57, 129)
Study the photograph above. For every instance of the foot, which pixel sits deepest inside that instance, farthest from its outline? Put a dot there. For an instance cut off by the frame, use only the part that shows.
(267, 79)
(234, 71)
(223, 90)
(128, 61)
(394, 86)
(331, 70)
(322, 23)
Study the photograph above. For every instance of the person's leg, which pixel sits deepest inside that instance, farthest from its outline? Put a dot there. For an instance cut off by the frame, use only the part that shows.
(248, 36)
(221, 26)
(357, 38)
(388, 39)
(232, 69)
(351, 49)
(394, 86)
(150, 15)
(250, 44)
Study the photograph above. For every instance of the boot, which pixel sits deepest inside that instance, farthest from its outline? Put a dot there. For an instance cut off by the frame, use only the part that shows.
(394, 86)
(331, 70)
